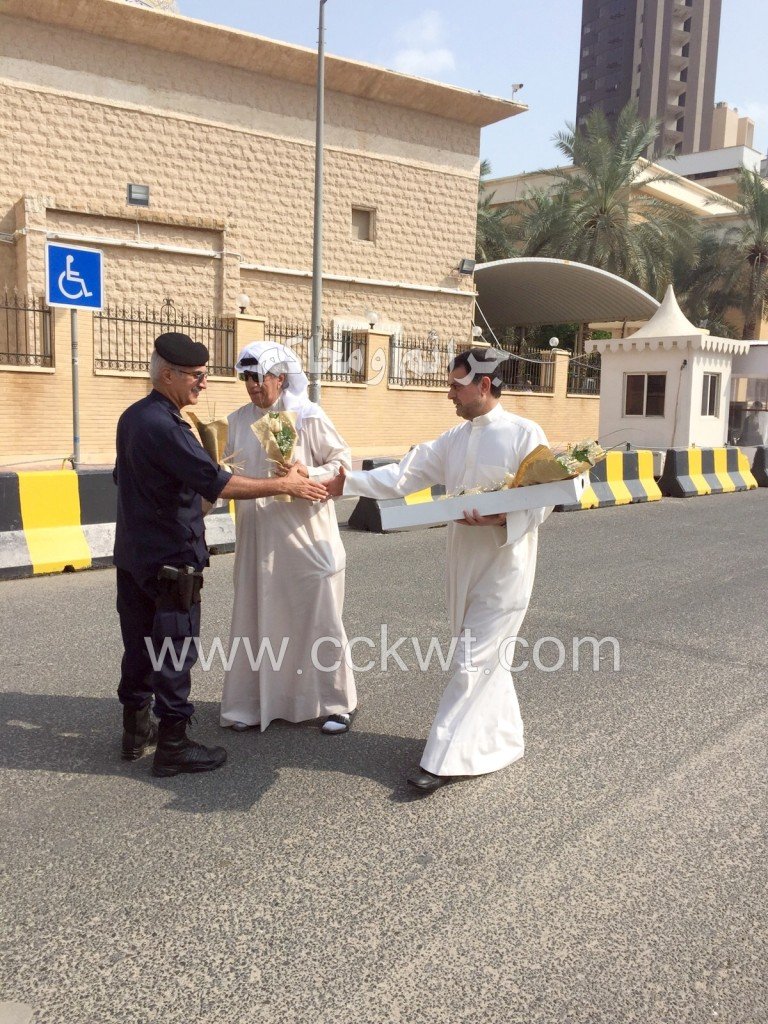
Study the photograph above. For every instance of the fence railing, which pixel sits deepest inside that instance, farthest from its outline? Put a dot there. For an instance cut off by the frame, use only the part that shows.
(123, 336)
(26, 331)
(528, 368)
(584, 374)
(419, 362)
(343, 355)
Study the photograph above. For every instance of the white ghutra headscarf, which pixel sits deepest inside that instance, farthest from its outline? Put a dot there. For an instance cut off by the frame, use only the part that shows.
(272, 357)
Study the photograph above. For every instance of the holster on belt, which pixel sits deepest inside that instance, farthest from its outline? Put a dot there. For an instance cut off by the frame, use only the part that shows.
(180, 585)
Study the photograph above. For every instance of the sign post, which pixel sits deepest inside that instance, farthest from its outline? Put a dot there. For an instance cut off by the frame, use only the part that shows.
(74, 279)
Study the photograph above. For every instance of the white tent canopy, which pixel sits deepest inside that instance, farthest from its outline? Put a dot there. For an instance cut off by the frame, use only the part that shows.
(533, 290)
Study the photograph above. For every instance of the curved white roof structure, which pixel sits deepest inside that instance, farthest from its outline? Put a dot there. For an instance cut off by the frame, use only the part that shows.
(530, 290)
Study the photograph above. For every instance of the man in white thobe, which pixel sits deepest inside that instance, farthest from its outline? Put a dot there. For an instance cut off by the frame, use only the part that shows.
(289, 564)
(491, 564)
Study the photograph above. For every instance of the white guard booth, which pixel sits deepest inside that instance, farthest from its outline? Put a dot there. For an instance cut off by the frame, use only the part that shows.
(667, 385)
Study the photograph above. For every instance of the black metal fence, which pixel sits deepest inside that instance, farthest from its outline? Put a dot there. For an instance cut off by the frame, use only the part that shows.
(419, 362)
(584, 374)
(26, 331)
(343, 355)
(123, 336)
(527, 368)
(423, 362)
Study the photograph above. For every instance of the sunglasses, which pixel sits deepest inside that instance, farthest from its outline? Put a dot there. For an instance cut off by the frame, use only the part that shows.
(199, 375)
(255, 376)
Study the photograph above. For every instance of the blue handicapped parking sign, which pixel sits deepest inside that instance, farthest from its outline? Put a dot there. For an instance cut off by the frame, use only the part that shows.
(74, 276)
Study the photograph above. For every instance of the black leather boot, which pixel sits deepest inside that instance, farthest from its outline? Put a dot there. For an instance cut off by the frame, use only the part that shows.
(176, 752)
(139, 732)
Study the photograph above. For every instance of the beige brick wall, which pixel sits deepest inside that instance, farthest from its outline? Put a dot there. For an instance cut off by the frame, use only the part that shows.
(418, 312)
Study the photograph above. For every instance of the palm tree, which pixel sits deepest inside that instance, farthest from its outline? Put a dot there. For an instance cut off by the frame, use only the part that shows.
(602, 210)
(494, 240)
(706, 284)
(729, 272)
(747, 246)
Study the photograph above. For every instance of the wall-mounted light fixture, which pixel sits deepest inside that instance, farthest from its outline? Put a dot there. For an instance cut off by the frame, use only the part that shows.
(243, 302)
(467, 266)
(554, 342)
(477, 331)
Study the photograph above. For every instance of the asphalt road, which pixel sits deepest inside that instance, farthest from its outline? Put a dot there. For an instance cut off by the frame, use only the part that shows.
(616, 874)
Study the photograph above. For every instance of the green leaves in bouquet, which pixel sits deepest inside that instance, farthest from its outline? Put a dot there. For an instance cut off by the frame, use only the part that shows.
(285, 436)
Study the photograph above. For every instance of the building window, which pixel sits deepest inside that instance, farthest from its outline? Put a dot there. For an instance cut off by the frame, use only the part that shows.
(138, 195)
(710, 395)
(363, 223)
(644, 394)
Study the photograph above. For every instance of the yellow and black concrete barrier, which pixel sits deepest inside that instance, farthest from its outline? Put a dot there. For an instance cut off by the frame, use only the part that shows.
(622, 478)
(63, 521)
(692, 471)
(366, 515)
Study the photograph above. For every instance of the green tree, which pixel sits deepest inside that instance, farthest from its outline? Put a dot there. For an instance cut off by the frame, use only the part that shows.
(706, 286)
(729, 271)
(494, 239)
(603, 210)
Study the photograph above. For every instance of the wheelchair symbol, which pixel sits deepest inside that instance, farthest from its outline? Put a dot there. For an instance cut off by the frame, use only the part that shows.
(73, 277)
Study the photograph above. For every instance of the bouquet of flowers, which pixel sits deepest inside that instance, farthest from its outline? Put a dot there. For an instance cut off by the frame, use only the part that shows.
(278, 437)
(545, 466)
(213, 436)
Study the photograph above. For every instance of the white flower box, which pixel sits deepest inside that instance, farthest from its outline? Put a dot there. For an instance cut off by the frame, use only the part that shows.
(397, 514)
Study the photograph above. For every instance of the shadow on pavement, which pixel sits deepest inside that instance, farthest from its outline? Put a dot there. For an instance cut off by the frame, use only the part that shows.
(81, 735)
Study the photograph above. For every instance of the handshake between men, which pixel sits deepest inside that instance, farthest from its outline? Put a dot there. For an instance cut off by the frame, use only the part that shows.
(302, 486)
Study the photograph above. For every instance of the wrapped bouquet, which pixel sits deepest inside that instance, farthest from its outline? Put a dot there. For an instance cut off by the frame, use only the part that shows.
(213, 436)
(545, 466)
(277, 435)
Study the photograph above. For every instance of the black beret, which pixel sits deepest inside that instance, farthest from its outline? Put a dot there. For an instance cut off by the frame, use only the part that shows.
(180, 350)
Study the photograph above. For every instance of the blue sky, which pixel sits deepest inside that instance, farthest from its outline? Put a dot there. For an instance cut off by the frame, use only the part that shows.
(489, 45)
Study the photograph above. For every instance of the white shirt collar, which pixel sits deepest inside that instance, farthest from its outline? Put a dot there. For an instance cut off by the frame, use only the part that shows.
(489, 417)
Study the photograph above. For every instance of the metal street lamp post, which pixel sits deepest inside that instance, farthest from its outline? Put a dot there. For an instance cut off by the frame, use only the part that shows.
(317, 242)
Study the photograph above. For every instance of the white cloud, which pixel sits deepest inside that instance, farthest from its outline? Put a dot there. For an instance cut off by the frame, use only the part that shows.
(424, 51)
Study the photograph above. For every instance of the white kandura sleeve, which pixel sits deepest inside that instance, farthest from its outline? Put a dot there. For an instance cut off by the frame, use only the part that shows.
(420, 468)
(522, 522)
(328, 448)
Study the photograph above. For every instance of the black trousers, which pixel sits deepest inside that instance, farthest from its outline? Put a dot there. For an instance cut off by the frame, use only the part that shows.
(164, 672)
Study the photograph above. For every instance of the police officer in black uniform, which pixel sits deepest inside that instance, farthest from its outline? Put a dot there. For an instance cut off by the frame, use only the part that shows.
(161, 473)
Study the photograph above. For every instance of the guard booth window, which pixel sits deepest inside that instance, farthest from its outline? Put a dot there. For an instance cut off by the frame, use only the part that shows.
(710, 395)
(644, 394)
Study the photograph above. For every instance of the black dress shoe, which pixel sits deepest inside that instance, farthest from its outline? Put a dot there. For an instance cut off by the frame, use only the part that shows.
(139, 732)
(177, 753)
(426, 782)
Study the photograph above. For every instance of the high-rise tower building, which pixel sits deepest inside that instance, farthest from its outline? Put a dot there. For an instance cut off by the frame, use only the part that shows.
(663, 54)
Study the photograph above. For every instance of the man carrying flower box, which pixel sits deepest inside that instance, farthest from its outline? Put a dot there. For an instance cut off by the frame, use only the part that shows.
(490, 565)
